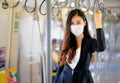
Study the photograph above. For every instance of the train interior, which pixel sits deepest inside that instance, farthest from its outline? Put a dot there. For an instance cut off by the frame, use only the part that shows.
(28, 27)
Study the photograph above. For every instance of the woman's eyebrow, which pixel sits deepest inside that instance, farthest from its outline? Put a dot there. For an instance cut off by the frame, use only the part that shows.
(76, 21)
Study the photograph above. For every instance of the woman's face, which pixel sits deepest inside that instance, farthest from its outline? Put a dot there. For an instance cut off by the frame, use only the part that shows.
(77, 20)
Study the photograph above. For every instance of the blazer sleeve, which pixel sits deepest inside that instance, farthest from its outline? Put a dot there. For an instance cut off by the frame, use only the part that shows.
(99, 43)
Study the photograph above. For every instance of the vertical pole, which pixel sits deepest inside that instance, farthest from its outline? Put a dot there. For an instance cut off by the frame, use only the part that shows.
(48, 56)
(8, 63)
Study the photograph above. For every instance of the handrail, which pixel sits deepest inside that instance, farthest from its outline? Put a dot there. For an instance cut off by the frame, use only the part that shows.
(55, 5)
(25, 6)
(40, 8)
(13, 4)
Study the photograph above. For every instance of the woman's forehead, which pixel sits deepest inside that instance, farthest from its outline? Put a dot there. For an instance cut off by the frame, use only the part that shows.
(76, 18)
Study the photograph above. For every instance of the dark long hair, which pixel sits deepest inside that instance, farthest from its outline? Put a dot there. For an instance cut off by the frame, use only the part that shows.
(69, 44)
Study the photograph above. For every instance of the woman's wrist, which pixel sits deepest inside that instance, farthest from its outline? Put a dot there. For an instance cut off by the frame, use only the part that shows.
(98, 26)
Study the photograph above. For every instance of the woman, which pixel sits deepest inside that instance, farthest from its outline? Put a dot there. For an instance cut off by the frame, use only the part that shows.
(77, 48)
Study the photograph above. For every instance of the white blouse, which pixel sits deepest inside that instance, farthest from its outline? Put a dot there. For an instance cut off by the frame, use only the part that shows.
(76, 58)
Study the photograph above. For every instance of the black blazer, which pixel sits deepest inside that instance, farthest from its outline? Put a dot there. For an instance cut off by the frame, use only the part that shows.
(81, 72)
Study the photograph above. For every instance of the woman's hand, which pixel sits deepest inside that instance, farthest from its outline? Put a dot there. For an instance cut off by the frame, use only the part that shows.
(93, 58)
(97, 19)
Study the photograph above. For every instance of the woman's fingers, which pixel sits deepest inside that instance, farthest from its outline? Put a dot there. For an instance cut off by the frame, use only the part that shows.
(97, 18)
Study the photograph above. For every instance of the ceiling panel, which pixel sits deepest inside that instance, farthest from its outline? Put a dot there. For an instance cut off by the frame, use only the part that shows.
(113, 5)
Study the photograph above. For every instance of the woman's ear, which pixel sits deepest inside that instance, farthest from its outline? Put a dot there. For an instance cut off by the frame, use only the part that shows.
(84, 23)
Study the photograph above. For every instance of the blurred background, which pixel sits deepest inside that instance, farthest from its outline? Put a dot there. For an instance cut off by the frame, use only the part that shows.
(31, 34)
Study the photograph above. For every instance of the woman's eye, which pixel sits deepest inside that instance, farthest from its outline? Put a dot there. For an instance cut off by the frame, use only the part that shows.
(78, 22)
(72, 23)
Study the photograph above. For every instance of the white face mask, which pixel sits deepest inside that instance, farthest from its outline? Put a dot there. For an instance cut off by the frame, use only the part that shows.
(77, 30)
